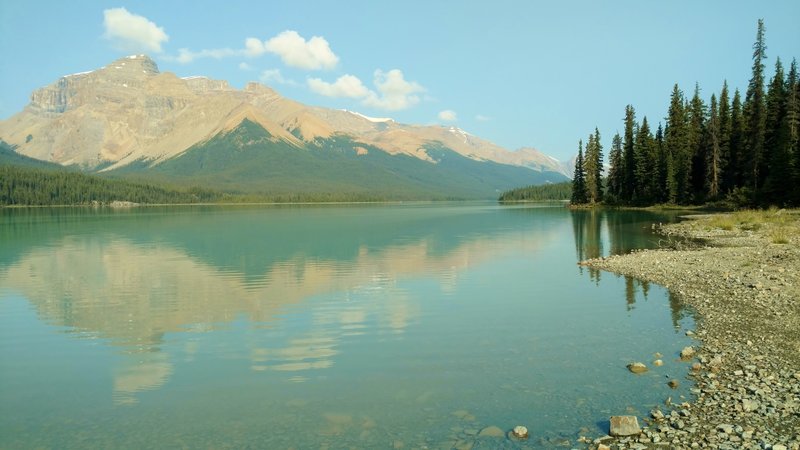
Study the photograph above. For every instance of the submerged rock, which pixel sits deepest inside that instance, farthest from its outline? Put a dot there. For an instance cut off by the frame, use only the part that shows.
(637, 367)
(491, 431)
(624, 426)
(673, 384)
(658, 363)
(520, 432)
(687, 353)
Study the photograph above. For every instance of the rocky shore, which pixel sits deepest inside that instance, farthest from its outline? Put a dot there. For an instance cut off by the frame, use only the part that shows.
(741, 273)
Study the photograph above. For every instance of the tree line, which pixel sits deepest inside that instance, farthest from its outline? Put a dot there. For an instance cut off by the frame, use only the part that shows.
(539, 192)
(34, 186)
(743, 151)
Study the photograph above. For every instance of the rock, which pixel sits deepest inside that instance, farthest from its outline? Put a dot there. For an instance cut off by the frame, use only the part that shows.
(491, 431)
(750, 405)
(656, 414)
(689, 333)
(520, 432)
(624, 426)
(637, 367)
(778, 447)
(673, 384)
(697, 366)
(687, 353)
(603, 447)
(658, 363)
(725, 428)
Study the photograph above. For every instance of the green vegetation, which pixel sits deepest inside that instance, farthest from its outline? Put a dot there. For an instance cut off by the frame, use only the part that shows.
(542, 192)
(34, 186)
(731, 152)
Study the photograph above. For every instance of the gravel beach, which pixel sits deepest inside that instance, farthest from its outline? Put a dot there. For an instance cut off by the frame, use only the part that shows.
(741, 273)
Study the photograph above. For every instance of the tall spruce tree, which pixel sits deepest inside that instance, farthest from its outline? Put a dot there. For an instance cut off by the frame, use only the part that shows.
(713, 152)
(628, 158)
(661, 193)
(598, 166)
(615, 169)
(792, 119)
(724, 114)
(591, 170)
(697, 145)
(755, 114)
(777, 154)
(579, 196)
(737, 167)
(678, 150)
(643, 159)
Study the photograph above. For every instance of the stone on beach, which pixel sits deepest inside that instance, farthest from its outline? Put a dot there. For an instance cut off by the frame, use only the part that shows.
(624, 426)
(687, 353)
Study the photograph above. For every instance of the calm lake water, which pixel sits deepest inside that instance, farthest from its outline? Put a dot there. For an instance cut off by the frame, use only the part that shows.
(324, 326)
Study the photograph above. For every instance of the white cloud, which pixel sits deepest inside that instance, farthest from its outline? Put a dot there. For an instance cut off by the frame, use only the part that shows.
(345, 86)
(253, 47)
(395, 92)
(448, 115)
(186, 56)
(295, 51)
(274, 76)
(482, 118)
(245, 66)
(131, 32)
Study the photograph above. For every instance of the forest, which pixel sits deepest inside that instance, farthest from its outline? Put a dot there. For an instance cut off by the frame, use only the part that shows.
(37, 186)
(729, 149)
(539, 192)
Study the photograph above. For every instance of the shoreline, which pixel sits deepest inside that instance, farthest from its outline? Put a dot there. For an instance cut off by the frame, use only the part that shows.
(741, 274)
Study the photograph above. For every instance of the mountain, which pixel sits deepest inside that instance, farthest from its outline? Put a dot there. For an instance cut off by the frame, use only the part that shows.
(129, 119)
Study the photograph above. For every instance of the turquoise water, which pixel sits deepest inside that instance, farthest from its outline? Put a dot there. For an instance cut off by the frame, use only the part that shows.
(373, 326)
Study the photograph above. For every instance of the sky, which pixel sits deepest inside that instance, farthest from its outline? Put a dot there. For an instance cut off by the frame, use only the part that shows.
(523, 73)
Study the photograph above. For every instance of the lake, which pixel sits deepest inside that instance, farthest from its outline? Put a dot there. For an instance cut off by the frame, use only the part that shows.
(325, 326)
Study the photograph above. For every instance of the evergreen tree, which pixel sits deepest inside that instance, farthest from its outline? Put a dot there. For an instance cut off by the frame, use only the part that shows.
(579, 196)
(677, 148)
(598, 166)
(755, 114)
(713, 152)
(792, 120)
(615, 169)
(643, 161)
(628, 158)
(724, 115)
(777, 153)
(737, 165)
(591, 170)
(697, 147)
(661, 193)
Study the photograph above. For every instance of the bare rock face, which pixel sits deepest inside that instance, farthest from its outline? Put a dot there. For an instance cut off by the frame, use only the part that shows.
(624, 426)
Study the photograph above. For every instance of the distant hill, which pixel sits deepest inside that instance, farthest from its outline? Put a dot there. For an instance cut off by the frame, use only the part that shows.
(130, 119)
(248, 158)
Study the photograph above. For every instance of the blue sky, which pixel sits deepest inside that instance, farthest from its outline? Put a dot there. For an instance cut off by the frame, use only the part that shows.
(519, 73)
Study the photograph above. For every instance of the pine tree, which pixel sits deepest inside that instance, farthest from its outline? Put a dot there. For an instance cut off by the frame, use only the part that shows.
(628, 159)
(578, 180)
(677, 148)
(615, 169)
(792, 120)
(661, 193)
(598, 166)
(737, 165)
(777, 153)
(714, 152)
(755, 114)
(643, 161)
(697, 148)
(590, 170)
(724, 114)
